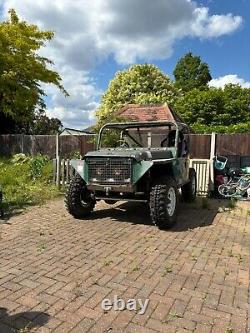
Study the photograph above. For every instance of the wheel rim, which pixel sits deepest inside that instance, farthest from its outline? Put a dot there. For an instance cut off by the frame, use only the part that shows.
(193, 183)
(171, 201)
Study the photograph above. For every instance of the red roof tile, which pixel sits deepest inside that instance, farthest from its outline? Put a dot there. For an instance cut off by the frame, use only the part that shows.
(136, 112)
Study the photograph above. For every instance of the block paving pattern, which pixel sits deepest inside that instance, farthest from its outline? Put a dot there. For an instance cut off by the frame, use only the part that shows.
(55, 271)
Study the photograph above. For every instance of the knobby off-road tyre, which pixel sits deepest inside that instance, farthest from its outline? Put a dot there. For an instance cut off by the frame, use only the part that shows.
(188, 191)
(78, 201)
(163, 203)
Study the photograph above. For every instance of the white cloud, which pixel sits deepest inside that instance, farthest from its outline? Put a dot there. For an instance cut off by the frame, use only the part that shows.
(76, 111)
(220, 82)
(206, 26)
(89, 31)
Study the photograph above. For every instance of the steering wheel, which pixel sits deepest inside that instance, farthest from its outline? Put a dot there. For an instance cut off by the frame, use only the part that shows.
(123, 143)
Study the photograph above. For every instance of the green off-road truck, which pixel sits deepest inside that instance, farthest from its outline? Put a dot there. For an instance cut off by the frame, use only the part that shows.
(135, 161)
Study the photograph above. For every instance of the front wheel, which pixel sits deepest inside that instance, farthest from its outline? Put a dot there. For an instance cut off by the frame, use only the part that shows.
(164, 203)
(78, 200)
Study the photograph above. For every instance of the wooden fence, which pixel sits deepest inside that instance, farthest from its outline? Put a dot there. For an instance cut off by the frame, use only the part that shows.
(200, 144)
(45, 144)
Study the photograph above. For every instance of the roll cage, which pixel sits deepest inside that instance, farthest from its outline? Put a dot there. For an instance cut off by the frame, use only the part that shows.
(123, 126)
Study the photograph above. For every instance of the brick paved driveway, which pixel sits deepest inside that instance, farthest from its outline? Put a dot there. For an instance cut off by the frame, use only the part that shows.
(55, 271)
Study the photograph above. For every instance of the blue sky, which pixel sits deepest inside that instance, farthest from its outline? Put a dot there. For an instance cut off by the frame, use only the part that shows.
(225, 55)
(94, 39)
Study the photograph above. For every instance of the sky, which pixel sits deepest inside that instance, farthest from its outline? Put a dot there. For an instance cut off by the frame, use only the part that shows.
(95, 38)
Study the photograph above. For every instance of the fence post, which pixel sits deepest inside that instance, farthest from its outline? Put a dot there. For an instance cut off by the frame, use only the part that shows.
(212, 153)
(22, 143)
(57, 145)
(58, 171)
(54, 170)
(67, 171)
(63, 172)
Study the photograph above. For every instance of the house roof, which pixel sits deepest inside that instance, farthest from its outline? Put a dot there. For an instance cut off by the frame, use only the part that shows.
(136, 112)
(73, 131)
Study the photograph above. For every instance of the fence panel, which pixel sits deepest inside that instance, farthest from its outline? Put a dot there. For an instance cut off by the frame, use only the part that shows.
(200, 145)
(233, 144)
(62, 171)
(45, 144)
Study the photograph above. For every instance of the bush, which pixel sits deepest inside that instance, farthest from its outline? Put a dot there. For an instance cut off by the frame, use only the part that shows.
(26, 181)
(36, 165)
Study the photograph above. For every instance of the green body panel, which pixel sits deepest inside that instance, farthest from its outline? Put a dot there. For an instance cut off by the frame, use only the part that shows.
(140, 168)
(180, 170)
(81, 167)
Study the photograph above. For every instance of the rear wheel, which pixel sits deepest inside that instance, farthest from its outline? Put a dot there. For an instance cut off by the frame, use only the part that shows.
(164, 203)
(78, 200)
(188, 191)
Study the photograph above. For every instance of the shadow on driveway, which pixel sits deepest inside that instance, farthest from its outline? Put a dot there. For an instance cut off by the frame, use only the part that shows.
(190, 215)
(21, 322)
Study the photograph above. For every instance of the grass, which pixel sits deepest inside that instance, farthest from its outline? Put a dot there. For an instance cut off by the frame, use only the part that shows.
(167, 269)
(26, 181)
(172, 316)
(232, 203)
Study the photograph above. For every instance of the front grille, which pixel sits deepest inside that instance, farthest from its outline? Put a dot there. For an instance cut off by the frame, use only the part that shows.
(109, 170)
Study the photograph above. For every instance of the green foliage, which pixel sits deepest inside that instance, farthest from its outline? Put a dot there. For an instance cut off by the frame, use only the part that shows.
(45, 125)
(190, 72)
(239, 128)
(26, 181)
(139, 84)
(216, 110)
(37, 164)
(22, 71)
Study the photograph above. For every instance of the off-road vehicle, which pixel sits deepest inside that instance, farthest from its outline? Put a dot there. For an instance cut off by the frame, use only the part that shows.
(135, 161)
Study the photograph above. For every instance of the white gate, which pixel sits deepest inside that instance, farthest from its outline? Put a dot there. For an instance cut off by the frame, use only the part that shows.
(203, 174)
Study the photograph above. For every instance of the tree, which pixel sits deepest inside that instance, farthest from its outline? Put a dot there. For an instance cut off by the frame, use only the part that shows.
(45, 125)
(139, 84)
(223, 110)
(190, 72)
(22, 70)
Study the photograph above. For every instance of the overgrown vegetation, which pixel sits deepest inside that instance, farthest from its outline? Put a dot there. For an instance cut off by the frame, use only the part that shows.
(26, 181)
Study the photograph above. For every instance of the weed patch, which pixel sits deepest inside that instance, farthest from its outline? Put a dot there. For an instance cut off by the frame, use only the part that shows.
(26, 181)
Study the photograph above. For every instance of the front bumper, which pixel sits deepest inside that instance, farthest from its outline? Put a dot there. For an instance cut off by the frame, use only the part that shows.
(107, 188)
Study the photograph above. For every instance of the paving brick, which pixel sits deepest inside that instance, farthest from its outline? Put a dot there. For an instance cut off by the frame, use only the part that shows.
(60, 288)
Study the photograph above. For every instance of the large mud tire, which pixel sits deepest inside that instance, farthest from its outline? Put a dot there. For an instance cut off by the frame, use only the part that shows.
(164, 203)
(78, 200)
